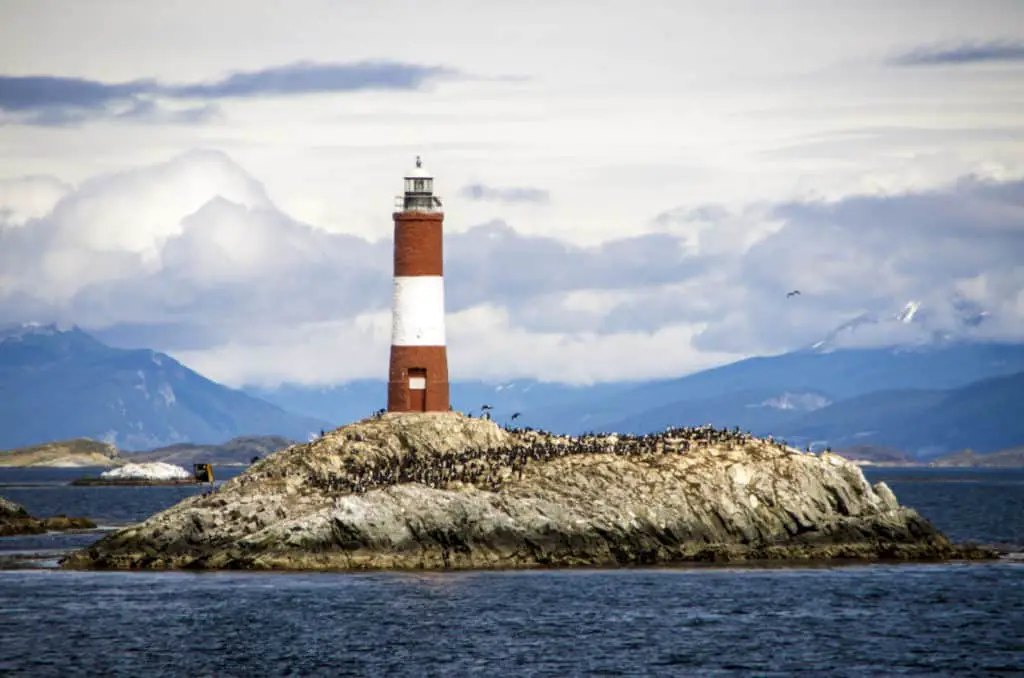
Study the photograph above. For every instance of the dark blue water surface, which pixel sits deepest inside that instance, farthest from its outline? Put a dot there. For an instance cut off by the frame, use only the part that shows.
(913, 620)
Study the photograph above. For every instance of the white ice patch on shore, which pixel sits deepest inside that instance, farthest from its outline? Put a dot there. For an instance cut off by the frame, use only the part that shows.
(156, 470)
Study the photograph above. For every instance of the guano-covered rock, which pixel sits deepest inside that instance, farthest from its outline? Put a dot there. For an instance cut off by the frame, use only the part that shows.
(410, 491)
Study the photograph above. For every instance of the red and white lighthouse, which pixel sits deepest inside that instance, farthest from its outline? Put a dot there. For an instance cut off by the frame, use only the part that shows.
(418, 376)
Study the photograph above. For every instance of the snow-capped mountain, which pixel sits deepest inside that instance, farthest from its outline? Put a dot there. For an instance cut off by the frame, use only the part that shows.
(916, 324)
(19, 332)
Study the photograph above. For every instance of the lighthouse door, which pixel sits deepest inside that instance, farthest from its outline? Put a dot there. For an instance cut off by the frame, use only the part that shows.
(417, 389)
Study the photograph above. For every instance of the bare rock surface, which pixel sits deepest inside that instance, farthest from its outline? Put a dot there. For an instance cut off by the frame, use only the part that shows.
(154, 470)
(15, 520)
(410, 491)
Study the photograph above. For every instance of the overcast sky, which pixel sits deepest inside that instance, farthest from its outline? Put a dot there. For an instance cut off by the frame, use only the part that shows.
(631, 188)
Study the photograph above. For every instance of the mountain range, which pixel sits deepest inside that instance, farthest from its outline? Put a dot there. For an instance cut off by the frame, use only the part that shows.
(938, 388)
(927, 401)
(357, 399)
(57, 384)
(985, 415)
(933, 390)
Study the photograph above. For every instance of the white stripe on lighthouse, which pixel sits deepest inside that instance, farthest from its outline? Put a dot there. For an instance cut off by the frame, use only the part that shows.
(417, 317)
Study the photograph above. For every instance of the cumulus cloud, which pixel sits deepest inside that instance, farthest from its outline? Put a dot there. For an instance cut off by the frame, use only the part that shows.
(513, 195)
(965, 53)
(493, 262)
(875, 253)
(193, 257)
(31, 197)
(477, 340)
(54, 100)
(196, 243)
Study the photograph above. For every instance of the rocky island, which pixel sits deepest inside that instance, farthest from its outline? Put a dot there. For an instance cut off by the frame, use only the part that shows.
(15, 520)
(149, 473)
(446, 491)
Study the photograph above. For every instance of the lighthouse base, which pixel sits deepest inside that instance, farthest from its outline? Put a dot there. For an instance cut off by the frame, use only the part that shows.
(418, 379)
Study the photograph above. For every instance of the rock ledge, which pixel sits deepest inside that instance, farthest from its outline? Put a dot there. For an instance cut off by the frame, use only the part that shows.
(15, 520)
(445, 491)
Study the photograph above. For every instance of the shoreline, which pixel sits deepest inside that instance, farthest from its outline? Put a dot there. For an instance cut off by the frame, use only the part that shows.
(22, 561)
(131, 482)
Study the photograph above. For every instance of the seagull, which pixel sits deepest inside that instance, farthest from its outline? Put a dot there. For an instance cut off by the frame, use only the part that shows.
(793, 294)
(515, 415)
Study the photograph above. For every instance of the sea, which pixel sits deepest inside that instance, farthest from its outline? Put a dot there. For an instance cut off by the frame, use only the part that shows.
(949, 619)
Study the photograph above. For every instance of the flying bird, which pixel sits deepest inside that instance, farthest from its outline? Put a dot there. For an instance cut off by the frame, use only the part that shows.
(793, 294)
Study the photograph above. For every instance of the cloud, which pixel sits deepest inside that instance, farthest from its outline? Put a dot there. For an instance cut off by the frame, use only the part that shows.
(30, 197)
(492, 262)
(513, 195)
(966, 53)
(475, 337)
(192, 256)
(312, 78)
(52, 100)
(196, 243)
(873, 254)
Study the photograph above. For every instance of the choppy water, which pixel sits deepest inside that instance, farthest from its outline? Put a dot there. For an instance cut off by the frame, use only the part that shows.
(916, 620)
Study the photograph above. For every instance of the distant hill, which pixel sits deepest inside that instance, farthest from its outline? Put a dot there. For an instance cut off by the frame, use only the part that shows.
(1010, 458)
(237, 451)
(875, 455)
(352, 401)
(826, 394)
(59, 384)
(78, 452)
(987, 416)
(83, 452)
(836, 398)
(753, 409)
(918, 346)
(767, 394)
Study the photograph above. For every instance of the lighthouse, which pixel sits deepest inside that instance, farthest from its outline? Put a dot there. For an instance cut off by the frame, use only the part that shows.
(418, 374)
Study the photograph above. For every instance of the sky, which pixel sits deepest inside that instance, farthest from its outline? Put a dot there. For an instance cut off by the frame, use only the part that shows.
(631, 188)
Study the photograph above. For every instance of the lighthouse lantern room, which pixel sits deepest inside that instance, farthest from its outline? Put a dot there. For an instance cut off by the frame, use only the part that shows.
(419, 191)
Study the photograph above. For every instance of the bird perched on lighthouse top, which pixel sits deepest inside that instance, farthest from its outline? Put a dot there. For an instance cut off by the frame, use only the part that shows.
(418, 373)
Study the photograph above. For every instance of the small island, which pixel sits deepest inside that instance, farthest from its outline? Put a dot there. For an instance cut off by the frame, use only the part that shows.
(1009, 458)
(15, 520)
(86, 452)
(447, 491)
(150, 473)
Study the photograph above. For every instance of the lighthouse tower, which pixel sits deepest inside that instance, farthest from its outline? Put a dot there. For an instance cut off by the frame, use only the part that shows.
(418, 376)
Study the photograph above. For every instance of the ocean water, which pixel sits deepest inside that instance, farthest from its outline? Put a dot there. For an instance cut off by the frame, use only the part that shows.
(865, 620)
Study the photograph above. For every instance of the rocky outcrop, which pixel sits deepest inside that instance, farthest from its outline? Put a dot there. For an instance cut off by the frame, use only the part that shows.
(448, 491)
(154, 470)
(15, 520)
(147, 474)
